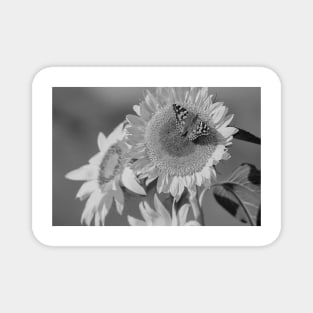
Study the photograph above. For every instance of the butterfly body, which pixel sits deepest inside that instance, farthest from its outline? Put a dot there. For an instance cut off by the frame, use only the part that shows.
(189, 124)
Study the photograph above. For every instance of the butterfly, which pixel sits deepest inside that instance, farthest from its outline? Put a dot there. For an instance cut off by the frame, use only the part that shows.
(189, 124)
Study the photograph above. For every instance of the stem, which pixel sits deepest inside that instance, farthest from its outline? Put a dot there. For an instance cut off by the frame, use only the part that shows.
(197, 211)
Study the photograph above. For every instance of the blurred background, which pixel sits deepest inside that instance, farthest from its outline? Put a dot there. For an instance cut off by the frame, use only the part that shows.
(79, 114)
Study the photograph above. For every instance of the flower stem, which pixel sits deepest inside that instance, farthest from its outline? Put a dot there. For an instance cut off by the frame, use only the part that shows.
(197, 210)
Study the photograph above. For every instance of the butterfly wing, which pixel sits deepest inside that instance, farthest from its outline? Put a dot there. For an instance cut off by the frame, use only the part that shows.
(189, 124)
(201, 129)
(181, 116)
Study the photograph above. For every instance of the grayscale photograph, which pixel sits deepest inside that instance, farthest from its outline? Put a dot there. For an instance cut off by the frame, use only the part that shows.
(164, 156)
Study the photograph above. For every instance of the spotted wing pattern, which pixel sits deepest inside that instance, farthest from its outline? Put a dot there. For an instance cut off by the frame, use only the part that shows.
(181, 116)
(201, 129)
(189, 124)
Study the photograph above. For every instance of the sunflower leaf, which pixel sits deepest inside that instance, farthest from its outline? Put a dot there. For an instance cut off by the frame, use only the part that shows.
(246, 136)
(240, 194)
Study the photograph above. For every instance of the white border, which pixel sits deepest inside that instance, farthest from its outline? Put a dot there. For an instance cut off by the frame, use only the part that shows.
(156, 77)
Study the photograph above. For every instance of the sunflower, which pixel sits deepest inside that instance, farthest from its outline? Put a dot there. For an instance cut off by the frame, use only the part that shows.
(161, 151)
(104, 174)
(160, 216)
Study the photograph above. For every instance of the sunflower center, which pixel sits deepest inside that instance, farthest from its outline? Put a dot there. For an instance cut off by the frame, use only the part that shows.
(172, 141)
(110, 165)
(173, 152)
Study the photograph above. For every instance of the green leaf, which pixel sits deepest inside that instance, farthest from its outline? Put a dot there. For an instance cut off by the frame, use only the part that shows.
(240, 194)
(246, 136)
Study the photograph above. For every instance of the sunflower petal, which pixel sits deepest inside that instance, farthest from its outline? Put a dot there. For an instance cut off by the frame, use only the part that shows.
(119, 200)
(174, 221)
(174, 186)
(129, 180)
(144, 213)
(151, 101)
(135, 120)
(192, 223)
(97, 218)
(103, 213)
(135, 222)
(162, 210)
(85, 172)
(218, 114)
(101, 142)
(145, 113)
(226, 121)
(117, 134)
(90, 207)
(227, 131)
(182, 214)
(96, 159)
(107, 201)
(136, 108)
(86, 189)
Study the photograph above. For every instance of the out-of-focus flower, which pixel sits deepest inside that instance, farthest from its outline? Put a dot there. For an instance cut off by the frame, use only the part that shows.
(164, 152)
(104, 174)
(160, 216)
